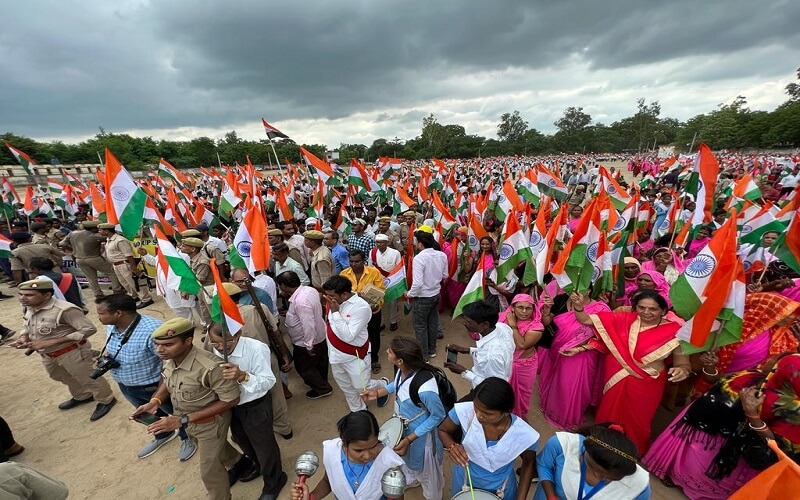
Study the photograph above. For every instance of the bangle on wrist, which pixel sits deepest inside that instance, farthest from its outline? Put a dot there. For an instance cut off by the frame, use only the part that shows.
(156, 400)
(716, 372)
(762, 427)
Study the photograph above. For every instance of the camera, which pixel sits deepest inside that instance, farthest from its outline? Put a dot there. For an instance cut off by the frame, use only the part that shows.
(104, 363)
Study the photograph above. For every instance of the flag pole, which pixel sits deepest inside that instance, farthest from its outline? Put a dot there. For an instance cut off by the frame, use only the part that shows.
(272, 145)
(276, 343)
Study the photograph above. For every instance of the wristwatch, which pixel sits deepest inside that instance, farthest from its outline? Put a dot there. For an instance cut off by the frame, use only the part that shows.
(184, 421)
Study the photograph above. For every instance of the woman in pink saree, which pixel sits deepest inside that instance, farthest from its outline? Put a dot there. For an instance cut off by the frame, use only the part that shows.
(667, 262)
(525, 323)
(648, 280)
(697, 244)
(636, 346)
(575, 213)
(459, 266)
(568, 385)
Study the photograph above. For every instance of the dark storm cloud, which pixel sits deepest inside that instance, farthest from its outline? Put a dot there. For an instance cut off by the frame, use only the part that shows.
(172, 63)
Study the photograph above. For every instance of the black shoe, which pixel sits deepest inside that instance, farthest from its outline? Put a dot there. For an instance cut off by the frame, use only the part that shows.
(145, 304)
(250, 474)
(275, 489)
(287, 436)
(5, 334)
(102, 409)
(393, 327)
(383, 327)
(313, 394)
(239, 469)
(72, 403)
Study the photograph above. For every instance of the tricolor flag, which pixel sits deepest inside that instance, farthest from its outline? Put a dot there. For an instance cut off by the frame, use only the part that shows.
(619, 197)
(507, 200)
(514, 248)
(528, 189)
(166, 170)
(230, 197)
(762, 222)
(24, 160)
(127, 198)
(550, 184)
(271, 131)
(702, 290)
(177, 271)
(223, 309)
(474, 291)
(251, 240)
(395, 283)
(5, 247)
(357, 176)
(152, 216)
(575, 267)
(706, 167)
(787, 247)
(388, 167)
(323, 168)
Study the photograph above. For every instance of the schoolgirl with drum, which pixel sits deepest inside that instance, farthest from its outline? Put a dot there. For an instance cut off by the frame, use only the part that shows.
(419, 443)
(493, 438)
(354, 462)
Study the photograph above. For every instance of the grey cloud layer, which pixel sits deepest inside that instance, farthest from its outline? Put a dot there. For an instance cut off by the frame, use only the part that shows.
(163, 64)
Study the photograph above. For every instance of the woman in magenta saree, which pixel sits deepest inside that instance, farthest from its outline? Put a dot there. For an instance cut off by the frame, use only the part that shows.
(636, 345)
(568, 385)
(525, 323)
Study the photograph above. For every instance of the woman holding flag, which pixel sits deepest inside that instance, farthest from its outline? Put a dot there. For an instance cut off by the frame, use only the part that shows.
(636, 345)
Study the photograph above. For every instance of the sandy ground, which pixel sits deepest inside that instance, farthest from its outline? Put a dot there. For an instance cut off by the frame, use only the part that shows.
(98, 460)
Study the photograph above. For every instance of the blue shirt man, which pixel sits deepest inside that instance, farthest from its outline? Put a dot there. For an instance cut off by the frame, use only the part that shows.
(341, 259)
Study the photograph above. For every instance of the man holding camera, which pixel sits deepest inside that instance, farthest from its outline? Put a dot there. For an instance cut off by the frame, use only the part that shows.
(58, 331)
(130, 355)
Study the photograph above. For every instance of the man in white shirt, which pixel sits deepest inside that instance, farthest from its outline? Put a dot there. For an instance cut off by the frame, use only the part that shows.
(251, 420)
(429, 270)
(306, 329)
(348, 342)
(386, 259)
(283, 263)
(290, 236)
(493, 354)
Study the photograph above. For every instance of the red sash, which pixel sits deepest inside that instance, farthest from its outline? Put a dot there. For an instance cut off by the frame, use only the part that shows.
(341, 345)
(66, 281)
(374, 257)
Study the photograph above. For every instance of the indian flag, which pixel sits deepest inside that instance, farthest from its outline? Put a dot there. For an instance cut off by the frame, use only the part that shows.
(177, 272)
(166, 170)
(514, 248)
(550, 184)
(787, 246)
(223, 309)
(272, 131)
(619, 197)
(701, 291)
(507, 200)
(5, 247)
(388, 167)
(474, 291)
(357, 176)
(251, 240)
(602, 274)
(575, 267)
(395, 283)
(706, 167)
(24, 160)
(528, 189)
(762, 222)
(402, 201)
(230, 198)
(152, 217)
(323, 169)
(127, 199)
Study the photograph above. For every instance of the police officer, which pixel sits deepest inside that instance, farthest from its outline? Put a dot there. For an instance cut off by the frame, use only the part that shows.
(202, 398)
(119, 252)
(210, 249)
(26, 250)
(85, 245)
(58, 331)
(40, 236)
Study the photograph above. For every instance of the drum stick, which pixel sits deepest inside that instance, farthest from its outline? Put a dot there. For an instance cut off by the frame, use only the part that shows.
(469, 480)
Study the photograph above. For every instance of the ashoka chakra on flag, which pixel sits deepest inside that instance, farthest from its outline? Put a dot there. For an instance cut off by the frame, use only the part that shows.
(701, 266)
(243, 248)
(506, 252)
(591, 252)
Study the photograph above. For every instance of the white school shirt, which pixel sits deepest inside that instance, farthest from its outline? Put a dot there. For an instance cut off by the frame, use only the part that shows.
(493, 356)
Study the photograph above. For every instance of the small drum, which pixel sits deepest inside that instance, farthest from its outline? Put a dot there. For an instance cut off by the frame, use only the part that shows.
(391, 432)
(479, 495)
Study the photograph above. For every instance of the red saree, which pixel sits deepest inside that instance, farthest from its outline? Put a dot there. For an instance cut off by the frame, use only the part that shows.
(633, 371)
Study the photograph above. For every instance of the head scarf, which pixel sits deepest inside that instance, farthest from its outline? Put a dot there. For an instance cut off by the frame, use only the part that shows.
(631, 260)
(661, 286)
(533, 323)
(675, 261)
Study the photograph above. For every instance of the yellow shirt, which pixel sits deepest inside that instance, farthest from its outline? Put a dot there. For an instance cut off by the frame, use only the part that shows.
(371, 276)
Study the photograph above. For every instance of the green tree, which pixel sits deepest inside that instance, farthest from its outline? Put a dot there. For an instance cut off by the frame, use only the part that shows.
(572, 127)
(511, 127)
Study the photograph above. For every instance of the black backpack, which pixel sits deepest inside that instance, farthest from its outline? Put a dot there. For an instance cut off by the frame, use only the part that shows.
(447, 393)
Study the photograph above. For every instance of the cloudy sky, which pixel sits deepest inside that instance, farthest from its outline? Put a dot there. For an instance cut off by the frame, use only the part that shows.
(355, 70)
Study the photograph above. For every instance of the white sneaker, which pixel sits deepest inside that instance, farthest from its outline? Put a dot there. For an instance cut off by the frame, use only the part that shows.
(155, 444)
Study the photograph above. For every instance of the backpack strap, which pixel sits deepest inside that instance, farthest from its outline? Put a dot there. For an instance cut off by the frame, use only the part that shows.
(420, 378)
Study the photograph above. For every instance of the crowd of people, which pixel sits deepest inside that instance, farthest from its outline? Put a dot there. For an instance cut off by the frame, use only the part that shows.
(596, 363)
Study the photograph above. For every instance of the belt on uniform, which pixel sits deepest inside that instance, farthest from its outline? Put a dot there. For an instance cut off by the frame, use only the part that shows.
(252, 403)
(207, 420)
(64, 350)
(120, 262)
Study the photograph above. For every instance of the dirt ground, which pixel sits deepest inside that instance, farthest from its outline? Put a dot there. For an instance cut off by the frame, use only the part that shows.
(98, 460)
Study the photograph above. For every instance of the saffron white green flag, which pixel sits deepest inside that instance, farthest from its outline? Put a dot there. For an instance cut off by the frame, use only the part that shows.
(474, 291)
(179, 275)
(514, 248)
(127, 199)
(395, 283)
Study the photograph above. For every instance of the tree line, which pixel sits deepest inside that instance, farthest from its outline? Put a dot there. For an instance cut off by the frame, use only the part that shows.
(729, 126)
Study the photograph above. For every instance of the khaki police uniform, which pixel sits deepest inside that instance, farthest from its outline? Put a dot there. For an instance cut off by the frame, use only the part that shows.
(88, 257)
(321, 260)
(193, 385)
(69, 362)
(23, 481)
(403, 236)
(118, 250)
(21, 256)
